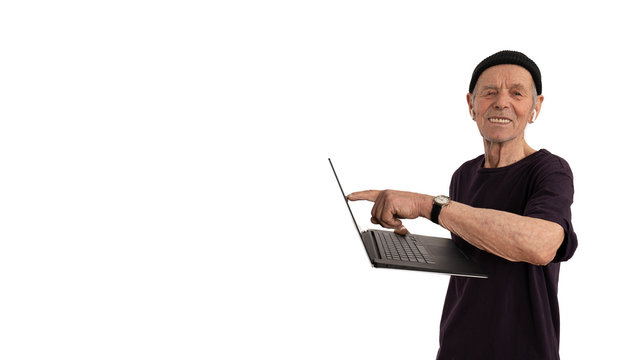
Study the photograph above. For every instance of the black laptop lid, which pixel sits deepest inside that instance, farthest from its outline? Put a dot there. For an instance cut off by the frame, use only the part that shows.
(349, 207)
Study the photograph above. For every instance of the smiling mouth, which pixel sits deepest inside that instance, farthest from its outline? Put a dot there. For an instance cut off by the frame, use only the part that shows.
(499, 120)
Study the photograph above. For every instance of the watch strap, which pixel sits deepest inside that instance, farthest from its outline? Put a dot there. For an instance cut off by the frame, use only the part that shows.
(435, 212)
(439, 202)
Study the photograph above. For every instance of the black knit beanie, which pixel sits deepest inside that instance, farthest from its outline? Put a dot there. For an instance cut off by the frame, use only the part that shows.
(507, 57)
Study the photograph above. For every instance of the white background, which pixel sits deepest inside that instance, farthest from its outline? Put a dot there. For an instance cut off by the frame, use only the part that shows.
(165, 191)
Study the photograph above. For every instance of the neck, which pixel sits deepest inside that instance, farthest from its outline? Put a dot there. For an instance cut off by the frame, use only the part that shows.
(505, 153)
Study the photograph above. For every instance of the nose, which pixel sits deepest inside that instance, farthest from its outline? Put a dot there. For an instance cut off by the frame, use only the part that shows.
(502, 100)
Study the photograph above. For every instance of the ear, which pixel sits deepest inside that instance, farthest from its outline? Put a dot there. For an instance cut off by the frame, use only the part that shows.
(470, 104)
(538, 107)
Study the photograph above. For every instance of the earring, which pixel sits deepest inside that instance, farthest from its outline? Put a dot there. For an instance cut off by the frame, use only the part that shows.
(533, 118)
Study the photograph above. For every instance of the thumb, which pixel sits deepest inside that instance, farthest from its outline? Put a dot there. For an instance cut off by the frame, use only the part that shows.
(400, 229)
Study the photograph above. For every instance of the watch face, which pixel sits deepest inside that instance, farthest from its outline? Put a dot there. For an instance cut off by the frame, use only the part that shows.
(441, 200)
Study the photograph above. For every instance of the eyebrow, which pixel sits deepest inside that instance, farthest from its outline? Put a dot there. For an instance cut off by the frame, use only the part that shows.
(519, 87)
(516, 86)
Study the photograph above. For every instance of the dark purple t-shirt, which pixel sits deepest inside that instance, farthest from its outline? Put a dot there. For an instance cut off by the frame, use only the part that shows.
(514, 313)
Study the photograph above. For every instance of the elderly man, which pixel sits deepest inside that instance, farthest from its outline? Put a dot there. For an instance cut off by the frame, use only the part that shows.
(509, 210)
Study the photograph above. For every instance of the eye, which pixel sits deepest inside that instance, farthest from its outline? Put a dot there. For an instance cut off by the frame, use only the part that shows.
(517, 93)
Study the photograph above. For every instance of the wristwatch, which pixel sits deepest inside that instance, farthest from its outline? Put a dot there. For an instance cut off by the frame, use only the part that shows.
(439, 202)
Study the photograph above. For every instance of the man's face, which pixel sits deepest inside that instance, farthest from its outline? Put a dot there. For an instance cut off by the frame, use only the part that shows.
(503, 103)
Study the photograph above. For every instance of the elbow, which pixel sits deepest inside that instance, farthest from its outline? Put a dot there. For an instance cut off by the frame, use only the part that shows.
(543, 258)
(547, 252)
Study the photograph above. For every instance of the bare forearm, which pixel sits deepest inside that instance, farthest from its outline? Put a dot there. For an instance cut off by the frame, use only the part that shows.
(510, 236)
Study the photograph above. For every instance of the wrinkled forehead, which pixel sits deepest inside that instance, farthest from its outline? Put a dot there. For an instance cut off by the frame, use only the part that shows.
(506, 75)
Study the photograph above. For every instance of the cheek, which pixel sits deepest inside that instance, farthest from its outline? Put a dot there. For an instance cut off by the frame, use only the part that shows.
(524, 117)
(478, 111)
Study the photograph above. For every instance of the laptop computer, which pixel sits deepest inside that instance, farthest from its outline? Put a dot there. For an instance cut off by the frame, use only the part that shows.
(387, 249)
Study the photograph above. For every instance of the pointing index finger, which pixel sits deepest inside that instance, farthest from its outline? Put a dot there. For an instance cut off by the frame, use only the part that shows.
(370, 195)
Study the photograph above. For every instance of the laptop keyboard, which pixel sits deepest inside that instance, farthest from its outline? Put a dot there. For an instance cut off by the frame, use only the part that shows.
(406, 248)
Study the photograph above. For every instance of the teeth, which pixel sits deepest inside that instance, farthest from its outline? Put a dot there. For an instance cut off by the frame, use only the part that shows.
(496, 120)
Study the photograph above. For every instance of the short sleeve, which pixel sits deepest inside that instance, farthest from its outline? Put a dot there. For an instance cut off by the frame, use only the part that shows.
(453, 185)
(551, 199)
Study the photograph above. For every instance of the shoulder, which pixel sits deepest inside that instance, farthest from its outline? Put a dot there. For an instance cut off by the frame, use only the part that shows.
(546, 163)
(465, 173)
(469, 166)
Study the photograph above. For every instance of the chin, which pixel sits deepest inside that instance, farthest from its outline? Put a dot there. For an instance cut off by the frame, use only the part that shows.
(498, 139)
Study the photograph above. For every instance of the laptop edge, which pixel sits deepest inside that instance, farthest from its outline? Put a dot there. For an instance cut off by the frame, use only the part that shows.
(451, 260)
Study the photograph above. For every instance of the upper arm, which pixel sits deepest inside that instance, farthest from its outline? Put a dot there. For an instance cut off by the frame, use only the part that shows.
(551, 200)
